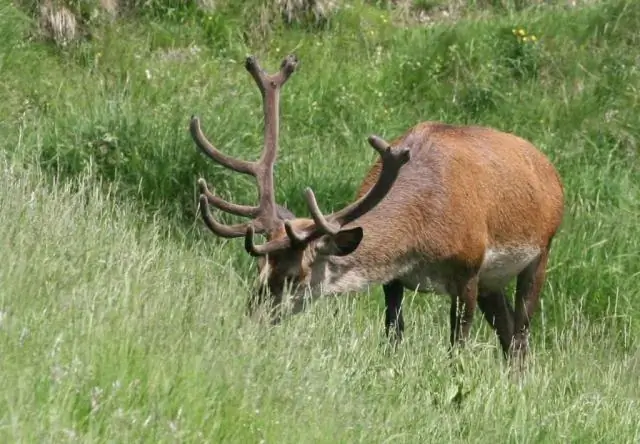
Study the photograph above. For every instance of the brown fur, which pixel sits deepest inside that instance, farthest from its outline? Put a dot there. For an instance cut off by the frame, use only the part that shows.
(464, 188)
(465, 192)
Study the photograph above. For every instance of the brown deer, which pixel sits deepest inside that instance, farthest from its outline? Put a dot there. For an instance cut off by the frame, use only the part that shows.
(459, 210)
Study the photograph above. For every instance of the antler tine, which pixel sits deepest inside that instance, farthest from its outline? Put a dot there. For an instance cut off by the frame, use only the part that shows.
(226, 231)
(379, 144)
(266, 248)
(392, 160)
(322, 224)
(241, 166)
(264, 80)
(251, 64)
(228, 207)
(293, 239)
(287, 67)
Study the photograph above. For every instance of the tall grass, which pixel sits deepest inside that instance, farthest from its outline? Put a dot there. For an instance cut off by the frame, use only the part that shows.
(113, 330)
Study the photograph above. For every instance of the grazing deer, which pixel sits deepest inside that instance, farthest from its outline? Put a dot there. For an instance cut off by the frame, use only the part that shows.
(460, 210)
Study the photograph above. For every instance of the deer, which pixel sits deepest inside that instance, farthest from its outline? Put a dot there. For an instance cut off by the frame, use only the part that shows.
(449, 209)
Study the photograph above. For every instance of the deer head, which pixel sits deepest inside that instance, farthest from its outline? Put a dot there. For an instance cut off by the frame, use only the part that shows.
(297, 250)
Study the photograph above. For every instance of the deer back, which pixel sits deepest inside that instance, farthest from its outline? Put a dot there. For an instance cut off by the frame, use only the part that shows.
(466, 189)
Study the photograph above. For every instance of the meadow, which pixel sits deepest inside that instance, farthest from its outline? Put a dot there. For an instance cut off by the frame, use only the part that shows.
(122, 317)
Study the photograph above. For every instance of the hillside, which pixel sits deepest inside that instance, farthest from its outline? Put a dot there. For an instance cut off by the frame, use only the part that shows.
(121, 317)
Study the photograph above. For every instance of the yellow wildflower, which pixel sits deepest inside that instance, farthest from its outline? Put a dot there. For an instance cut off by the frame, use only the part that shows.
(521, 32)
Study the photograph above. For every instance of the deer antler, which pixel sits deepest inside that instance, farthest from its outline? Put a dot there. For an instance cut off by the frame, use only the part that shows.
(392, 160)
(265, 217)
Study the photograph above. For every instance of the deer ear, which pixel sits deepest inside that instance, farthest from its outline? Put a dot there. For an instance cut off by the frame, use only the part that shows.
(346, 241)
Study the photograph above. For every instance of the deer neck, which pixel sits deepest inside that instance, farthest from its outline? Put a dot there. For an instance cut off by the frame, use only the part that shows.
(370, 264)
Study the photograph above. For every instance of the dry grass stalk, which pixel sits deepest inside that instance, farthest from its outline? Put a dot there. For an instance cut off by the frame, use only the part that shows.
(294, 10)
(111, 7)
(207, 5)
(58, 23)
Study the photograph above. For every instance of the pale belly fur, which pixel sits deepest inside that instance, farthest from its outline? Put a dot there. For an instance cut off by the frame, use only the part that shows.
(499, 267)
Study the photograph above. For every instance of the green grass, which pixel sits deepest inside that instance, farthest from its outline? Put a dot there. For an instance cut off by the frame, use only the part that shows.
(122, 319)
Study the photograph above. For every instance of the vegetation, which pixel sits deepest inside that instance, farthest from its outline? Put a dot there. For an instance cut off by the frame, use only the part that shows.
(121, 318)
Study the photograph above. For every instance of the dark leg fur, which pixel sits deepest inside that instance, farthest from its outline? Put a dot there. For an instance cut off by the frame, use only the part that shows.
(463, 305)
(498, 312)
(528, 288)
(393, 319)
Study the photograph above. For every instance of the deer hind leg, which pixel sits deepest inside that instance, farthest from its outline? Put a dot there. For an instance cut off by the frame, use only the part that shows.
(529, 285)
(393, 318)
(498, 312)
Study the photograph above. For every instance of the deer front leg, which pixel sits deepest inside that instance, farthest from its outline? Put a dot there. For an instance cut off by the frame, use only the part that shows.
(393, 319)
(463, 305)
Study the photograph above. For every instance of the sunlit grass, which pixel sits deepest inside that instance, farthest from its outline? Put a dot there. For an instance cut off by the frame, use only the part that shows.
(111, 330)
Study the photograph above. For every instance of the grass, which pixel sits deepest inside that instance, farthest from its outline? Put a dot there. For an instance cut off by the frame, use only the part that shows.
(121, 319)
